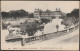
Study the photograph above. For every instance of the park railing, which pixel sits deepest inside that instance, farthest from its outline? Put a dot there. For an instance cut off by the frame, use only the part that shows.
(48, 36)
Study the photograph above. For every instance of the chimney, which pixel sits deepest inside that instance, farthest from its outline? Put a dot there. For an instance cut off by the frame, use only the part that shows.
(56, 9)
(35, 9)
(59, 9)
(38, 9)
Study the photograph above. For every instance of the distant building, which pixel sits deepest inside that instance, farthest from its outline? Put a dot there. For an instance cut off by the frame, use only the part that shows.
(38, 13)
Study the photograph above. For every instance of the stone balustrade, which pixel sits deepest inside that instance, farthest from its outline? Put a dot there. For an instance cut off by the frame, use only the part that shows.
(48, 36)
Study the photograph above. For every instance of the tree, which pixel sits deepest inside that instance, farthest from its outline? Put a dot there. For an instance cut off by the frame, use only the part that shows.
(22, 13)
(5, 15)
(68, 21)
(48, 11)
(44, 20)
(18, 13)
(31, 15)
(31, 28)
(68, 14)
(74, 13)
(71, 18)
(13, 14)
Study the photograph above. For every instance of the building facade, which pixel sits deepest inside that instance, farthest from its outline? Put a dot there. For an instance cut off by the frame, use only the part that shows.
(38, 13)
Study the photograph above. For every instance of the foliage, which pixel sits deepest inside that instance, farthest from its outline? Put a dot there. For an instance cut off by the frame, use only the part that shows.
(4, 26)
(32, 28)
(15, 14)
(71, 18)
(31, 15)
(74, 13)
(5, 14)
(37, 21)
(44, 20)
(69, 21)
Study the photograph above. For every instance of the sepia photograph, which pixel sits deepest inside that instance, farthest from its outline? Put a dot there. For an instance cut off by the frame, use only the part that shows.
(40, 25)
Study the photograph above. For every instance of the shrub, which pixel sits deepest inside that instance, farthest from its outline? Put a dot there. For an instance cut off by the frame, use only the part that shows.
(4, 26)
(32, 28)
(68, 21)
(44, 20)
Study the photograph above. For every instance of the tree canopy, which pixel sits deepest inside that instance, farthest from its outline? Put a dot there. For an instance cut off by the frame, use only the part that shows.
(74, 13)
(71, 18)
(5, 14)
(15, 14)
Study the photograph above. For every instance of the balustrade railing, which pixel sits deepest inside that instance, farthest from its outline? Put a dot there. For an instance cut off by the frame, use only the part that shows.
(47, 36)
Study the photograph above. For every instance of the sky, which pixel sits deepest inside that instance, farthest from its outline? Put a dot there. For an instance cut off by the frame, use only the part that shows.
(30, 6)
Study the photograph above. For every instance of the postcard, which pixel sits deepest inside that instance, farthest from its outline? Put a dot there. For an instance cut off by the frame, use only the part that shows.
(40, 25)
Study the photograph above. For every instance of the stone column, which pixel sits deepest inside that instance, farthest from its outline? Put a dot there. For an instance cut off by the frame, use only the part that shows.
(23, 41)
(68, 30)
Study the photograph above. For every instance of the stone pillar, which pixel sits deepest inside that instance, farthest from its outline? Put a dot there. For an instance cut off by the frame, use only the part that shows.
(23, 41)
(67, 30)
